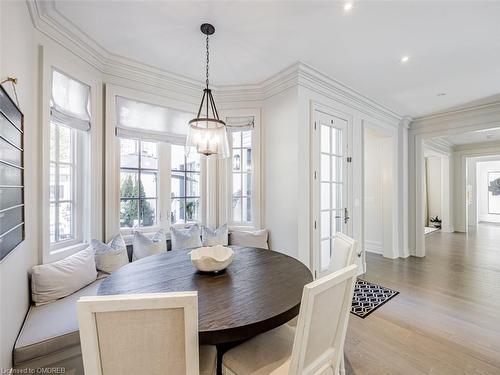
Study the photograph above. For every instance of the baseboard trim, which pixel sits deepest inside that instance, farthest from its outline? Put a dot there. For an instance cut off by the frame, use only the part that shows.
(373, 247)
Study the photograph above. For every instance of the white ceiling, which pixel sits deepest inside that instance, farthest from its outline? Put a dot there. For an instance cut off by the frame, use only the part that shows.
(453, 46)
(474, 137)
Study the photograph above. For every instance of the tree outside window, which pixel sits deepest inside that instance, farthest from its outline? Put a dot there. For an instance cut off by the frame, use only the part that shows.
(185, 186)
(138, 183)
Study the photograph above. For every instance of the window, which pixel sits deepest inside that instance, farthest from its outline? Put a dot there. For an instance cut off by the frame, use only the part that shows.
(62, 187)
(69, 128)
(185, 186)
(159, 184)
(241, 159)
(138, 183)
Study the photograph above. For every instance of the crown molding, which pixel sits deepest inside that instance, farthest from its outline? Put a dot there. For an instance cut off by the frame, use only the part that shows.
(321, 83)
(54, 25)
(471, 118)
(484, 146)
(440, 145)
(51, 23)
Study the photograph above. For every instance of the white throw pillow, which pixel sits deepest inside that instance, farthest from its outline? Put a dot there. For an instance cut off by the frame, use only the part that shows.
(145, 246)
(187, 238)
(52, 281)
(215, 237)
(256, 238)
(110, 257)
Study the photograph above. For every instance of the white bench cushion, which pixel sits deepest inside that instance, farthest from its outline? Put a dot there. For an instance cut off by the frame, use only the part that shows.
(51, 327)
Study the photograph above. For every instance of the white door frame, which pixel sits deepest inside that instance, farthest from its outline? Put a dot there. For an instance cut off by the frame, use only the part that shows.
(466, 158)
(446, 171)
(391, 216)
(452, 123)
(315, 212)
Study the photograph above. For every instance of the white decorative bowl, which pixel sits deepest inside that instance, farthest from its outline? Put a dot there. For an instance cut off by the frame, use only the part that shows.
(212, 259)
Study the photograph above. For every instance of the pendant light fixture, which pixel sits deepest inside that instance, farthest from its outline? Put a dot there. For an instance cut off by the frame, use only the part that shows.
(207, 132)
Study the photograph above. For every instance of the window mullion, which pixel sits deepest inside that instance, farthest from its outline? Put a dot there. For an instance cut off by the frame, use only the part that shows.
(75, 207)
(185, 189)
(241, 180)
(56, 186)
(139, 176)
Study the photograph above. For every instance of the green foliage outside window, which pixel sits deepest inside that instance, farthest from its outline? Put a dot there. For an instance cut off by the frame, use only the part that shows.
(129, 207)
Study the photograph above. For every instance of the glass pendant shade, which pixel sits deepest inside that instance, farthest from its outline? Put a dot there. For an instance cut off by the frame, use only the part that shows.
(207, 133)
(208, 138)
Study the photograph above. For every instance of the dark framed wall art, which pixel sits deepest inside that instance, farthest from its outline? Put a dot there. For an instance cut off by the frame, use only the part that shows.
(11, 174)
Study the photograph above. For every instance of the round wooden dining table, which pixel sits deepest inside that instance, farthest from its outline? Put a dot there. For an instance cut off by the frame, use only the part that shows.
(259, 291)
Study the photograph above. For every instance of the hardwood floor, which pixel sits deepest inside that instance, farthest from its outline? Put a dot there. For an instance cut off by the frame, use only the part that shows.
(446, 320)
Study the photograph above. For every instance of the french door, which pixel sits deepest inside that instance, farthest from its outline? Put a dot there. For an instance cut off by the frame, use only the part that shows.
(330, 186)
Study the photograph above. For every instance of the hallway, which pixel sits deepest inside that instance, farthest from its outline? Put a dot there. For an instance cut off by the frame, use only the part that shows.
(446, 318)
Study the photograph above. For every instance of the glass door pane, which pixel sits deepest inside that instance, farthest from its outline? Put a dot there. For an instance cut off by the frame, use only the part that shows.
(332, 150)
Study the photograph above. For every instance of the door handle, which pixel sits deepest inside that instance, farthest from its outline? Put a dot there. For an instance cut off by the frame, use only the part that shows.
(346, 216)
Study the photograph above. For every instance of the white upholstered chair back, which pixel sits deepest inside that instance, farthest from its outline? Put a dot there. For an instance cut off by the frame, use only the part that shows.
(322, 325)
(140, 334)
(344, 252)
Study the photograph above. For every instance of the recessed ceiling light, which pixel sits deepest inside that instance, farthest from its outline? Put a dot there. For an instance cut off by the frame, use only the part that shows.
(348, 6)
(404, 59)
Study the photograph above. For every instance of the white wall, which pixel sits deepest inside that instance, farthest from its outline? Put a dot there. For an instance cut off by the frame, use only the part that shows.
(373, 193)
(281, 171)
(483, 168)
(18, 58)
(379, 191)
(434, 186)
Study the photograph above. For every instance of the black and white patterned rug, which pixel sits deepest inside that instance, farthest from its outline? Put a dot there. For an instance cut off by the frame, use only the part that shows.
(368, 297)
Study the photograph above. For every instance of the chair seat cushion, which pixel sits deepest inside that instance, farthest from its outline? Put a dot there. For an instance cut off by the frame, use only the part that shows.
(268, 353)
(208, 360)
(51, 327)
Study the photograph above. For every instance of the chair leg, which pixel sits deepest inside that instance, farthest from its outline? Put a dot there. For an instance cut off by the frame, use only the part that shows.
(342, 364)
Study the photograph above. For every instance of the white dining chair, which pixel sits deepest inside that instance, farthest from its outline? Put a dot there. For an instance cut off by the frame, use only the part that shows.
(143, 334)
(314, 347)
(344, 252)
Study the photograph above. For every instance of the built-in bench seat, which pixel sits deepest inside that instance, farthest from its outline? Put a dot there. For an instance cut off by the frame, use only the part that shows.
(50, 336)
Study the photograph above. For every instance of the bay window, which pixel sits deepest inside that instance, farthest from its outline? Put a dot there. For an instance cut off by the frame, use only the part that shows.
(153, 183)
(160, 185)
(68, 133)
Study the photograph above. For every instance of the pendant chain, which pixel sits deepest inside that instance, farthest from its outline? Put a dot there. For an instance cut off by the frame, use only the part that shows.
(208, 61)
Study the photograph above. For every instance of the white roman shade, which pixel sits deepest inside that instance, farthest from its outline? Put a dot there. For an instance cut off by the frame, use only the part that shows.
(70, 102)
(150, 122)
